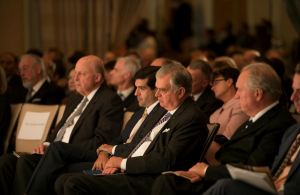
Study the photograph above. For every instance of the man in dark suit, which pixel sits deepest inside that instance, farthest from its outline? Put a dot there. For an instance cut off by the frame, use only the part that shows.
(255, 142)
(287, 181)
(173, 143)
(122, 77)
(91, 118)
(47, 171)
(38, 89)
(201, 90)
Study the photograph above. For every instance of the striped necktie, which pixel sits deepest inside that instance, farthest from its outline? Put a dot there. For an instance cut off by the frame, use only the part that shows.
(162, 120)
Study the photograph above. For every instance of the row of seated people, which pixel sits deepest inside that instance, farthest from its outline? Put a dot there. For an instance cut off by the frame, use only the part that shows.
(162, 143)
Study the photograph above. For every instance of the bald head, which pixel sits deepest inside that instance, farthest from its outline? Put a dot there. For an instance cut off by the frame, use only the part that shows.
(161, 62)
(89, 74)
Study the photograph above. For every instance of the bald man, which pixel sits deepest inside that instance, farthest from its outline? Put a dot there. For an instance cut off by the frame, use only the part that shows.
(248, 56)
(93, 117)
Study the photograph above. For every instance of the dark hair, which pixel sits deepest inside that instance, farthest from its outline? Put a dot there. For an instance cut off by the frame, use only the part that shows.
(204, 67)
(228, 73)
(262, 59)
(35, 51)
(278, 66)
(148, 72)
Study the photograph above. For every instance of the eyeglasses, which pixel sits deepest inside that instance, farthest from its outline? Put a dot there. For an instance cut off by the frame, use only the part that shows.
(217, 81)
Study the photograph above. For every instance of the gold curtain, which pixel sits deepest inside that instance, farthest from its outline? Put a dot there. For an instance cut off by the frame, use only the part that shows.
(94, 26)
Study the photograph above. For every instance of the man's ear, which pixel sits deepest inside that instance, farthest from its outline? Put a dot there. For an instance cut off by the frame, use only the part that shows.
(127, 75)
(258, 93)
(98, 77)
(181, 92)
(205, 83)
(38, 70)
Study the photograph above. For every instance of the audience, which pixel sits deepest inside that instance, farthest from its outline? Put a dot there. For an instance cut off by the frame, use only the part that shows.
(175, 147)
(256, 142)
(201, 90)
(286, 179)
(248, 56)
(93, 117)
(109, 56)
(43, 175)
(122, 77)
(5, 112)
(161, 62)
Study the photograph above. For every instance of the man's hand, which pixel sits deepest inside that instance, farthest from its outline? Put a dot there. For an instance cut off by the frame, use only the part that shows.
(40, 149)
(199, 169)
(109, 171)
(190, 174)
(105, 147)
(114, 162)
(101, 161)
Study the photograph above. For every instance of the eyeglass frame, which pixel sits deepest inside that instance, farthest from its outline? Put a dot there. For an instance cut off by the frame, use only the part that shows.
(215, 82)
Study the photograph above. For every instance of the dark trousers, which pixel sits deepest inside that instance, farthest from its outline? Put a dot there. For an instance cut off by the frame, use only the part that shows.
(16, 172)
(125, 184)
(57, 160)
(171, 184)
(233, 187)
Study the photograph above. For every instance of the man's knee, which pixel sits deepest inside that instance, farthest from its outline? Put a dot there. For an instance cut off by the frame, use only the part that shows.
(60, 182)
(8, 161)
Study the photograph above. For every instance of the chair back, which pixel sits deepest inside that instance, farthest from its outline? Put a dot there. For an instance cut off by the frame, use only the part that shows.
(126, 117)
(36, 117)
(15, 112)
(296, 117)
(213, 129)
(61, 111)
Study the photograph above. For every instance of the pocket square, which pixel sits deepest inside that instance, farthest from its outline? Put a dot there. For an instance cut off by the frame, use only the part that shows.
(166, 130)
(36, 100)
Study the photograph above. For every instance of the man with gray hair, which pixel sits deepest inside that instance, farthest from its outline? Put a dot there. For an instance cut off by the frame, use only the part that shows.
(256, 142)
(173, 143)
(201, 90)
(122, 77)
(38, 89)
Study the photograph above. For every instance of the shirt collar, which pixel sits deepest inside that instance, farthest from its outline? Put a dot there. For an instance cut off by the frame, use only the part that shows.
(196, 96)
(91, 95)
(126, 92)
(150, 108)
(262, 112)
(37, 86)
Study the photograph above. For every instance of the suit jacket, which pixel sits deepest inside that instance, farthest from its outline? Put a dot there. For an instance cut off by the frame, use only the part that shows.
(292, 182)
(208, 103)
(157, 110)
(230, 117)
(5, 115)
(131, 103)
(100, 122)
(48, 94)
(176, 146)
(257, 145)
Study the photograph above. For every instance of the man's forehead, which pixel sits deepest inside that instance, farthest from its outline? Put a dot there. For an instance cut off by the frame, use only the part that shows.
(296, 81)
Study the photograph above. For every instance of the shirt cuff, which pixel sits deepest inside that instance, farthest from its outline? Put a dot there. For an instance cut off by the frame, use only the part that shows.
(205, 170)
(113, 150)
(123, 164)
(46, 143)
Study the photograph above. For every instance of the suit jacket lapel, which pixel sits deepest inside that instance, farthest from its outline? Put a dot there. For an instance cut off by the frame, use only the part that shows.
(261, 122)
(88, 109)
(181, 108)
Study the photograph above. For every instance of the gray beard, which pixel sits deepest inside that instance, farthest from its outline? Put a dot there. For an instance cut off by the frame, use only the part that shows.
(28, 84)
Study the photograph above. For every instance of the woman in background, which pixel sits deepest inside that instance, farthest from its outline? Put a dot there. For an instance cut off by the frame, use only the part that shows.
(72, 88)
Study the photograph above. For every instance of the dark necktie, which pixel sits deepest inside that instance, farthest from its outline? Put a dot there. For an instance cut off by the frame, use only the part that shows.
(162, 120)
(70, 121)
(250, 122)
(28, 96)
(287, 158)
(122, 96)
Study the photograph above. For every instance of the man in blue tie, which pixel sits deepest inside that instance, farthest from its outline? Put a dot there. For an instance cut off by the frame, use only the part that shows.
(255, 142)
(173, 143)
